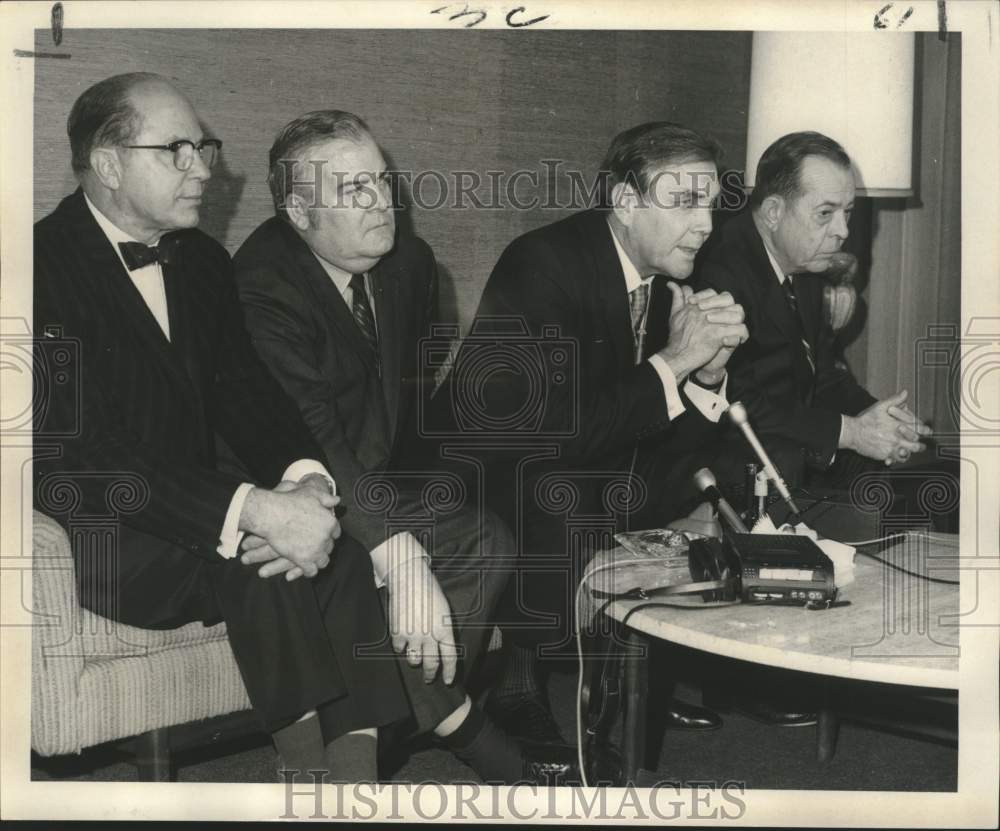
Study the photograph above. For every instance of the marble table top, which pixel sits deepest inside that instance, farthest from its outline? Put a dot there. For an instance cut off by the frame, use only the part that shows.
(896, 629)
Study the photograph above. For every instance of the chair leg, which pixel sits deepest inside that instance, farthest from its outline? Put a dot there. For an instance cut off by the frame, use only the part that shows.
(152, 755)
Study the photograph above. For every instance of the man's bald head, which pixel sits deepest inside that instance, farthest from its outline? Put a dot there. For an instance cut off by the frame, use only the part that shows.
(105, 115)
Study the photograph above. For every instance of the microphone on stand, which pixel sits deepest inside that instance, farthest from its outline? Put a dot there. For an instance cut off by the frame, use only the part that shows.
(738, 415)
(705, 480)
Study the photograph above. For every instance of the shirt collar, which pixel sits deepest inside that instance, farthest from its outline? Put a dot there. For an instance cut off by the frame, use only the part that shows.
(632, 278)
(341, 279)
(775, 267)
(114, 234)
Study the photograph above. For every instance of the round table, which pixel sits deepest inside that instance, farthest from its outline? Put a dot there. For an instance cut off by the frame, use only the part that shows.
(896, 629)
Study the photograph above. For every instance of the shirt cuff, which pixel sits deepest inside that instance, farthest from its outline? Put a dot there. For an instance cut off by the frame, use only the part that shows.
(674, 404)
(231, 536)
(395, 551)
(711, 404)
(303, 467)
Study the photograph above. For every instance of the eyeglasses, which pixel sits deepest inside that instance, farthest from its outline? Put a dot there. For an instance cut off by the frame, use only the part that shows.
(184, 150)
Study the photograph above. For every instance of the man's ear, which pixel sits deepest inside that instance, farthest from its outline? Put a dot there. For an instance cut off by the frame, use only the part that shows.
(624, 201)
(772, 209)
(107, 167)
(297, 210)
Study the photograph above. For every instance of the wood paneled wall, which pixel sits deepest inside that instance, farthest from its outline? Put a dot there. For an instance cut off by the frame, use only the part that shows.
(436, 101)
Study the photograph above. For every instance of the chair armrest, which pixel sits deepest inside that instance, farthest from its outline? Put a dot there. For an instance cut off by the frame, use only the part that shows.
(56, 659)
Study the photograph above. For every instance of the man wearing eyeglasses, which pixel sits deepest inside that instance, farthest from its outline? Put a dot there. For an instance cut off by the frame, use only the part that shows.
(164, 369)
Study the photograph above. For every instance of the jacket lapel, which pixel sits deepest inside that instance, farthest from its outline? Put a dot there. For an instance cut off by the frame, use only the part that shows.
(113, 284)
(772, 295)
(611, 287)
(338, 314)
(385, 287)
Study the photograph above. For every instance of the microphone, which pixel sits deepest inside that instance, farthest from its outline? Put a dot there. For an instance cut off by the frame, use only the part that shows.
(705, 480)
(738, 415)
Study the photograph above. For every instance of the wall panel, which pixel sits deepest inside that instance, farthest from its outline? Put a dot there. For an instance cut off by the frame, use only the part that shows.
(437, 101)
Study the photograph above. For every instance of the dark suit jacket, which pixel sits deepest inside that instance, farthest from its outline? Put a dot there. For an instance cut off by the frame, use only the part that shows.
(135, 404)
(307, 335)
(770, 373)
(566, 278)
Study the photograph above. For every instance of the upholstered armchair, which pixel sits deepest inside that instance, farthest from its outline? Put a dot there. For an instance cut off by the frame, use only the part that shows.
(95, 681)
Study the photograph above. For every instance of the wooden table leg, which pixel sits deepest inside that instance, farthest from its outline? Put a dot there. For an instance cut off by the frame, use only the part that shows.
(636, 690)
(827, 726)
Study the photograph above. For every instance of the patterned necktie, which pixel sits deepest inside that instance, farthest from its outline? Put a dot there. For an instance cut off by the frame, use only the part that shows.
(793, 304)
(137, 255)
(364, 316)
(638, 298)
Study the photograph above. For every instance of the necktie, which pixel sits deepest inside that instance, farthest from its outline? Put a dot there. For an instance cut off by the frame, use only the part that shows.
(137, 255)
(364, 316)
(793, 304)
(638, 298)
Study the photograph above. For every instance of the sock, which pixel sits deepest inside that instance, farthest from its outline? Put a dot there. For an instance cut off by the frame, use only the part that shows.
(353, 757)
(520, 674)
(300, 746)
(487, 750)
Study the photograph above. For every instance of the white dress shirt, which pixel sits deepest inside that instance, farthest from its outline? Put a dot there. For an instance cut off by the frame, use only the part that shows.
(711, 404)
(149, 281)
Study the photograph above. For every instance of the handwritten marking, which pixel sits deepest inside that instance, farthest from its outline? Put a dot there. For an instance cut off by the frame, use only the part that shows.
(57, 23)
(880, 17)
(905, 17)
(25, 53)
(521, 10)
(482, 14)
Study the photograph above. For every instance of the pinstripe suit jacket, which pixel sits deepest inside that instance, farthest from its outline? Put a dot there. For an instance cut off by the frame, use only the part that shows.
(122, 399)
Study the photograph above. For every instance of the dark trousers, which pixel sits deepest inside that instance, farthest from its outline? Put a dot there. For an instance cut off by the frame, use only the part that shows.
(472, 555)
(298, 644)
(311, 644)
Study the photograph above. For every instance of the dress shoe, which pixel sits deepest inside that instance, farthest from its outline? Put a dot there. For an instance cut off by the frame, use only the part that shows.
(526, 716)
(557, 765)
(767, 713)
(683, 716)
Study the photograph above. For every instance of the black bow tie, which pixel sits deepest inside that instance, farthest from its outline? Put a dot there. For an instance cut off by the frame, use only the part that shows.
(137, 255)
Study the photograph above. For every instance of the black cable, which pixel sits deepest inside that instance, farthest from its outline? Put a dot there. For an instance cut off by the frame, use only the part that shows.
(652, 604)
(926, 577)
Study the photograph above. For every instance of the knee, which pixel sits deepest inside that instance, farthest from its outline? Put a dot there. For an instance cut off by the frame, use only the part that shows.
(351, 561)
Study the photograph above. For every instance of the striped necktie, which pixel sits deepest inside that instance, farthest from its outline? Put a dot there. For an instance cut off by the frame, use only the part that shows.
(364, 316)
(793, 304)
(638, 298)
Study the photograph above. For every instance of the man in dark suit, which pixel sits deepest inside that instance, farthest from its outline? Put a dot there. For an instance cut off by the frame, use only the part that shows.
(797, 395)
(164, 366)
(807, 408)
(591, 375)
(336, 305)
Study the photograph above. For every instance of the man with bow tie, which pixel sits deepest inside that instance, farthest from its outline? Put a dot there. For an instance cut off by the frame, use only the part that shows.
(165, 369)
(634, 379)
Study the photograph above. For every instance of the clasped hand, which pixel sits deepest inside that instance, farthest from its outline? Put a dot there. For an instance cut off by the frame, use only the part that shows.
(705, 328)
(292, 528)
(887, 431)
